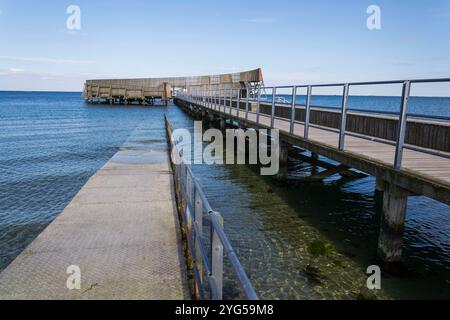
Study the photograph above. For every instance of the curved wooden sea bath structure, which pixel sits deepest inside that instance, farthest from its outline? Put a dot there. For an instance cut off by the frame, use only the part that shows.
(150, 90)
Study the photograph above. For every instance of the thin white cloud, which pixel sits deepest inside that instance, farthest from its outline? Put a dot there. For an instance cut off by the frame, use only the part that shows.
(262, 20)
(16, 70)
(53, 75)
(45, 60)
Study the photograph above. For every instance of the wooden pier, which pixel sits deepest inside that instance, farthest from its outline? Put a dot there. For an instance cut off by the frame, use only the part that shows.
(408, 156)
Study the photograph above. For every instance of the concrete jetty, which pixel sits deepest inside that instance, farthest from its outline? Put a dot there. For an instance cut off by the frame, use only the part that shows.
(121, 231)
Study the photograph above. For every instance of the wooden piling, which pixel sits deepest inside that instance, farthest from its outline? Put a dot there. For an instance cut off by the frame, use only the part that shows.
(283, 158)
(392, 222)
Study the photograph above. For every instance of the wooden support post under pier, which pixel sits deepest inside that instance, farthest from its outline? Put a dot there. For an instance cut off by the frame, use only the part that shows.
(284, 157)
(223, 124)
(392, 222)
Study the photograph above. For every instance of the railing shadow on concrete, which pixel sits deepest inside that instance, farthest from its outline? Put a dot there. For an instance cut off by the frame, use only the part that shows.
(205, 252)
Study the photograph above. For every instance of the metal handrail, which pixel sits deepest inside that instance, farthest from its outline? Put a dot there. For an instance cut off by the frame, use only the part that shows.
(343, 110)
(193, 204)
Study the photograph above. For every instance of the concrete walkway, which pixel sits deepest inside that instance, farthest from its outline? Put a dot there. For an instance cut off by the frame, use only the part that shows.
(121, 230)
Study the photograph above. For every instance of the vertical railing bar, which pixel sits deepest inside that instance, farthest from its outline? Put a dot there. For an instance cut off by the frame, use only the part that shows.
(401, 130)
(272, 119)
(217, 256)
(343, 117)
(231, 100)
(294, 102)
(220, 100)
(258, 105)
(247, 96)
(307, 111)
(238, 103)
(199, 227)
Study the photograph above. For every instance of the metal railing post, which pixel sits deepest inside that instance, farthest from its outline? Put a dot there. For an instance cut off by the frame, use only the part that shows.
(217, 256)
(401, 131)
(198, 252)
(246, 104)
(217, 99)
(274, 96)
(231, 99)
(294, 102)
(238, 105)
(307, 112)
(224, 92)
(343, 117)
(258, 105)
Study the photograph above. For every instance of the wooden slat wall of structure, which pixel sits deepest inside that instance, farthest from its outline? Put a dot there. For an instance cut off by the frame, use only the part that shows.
(161, 87)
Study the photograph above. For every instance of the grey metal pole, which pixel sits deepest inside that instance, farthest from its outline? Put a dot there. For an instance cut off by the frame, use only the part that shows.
(217, 256)
(401, 132)
(294, 102)
(258, 105)
(246, 104)
(199, 223)
(307, 112)
(238, 103)
(272, 118)
(231, 100)
(343, 117)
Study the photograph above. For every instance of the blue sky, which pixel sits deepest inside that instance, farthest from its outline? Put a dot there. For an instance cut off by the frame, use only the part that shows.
(295, 42)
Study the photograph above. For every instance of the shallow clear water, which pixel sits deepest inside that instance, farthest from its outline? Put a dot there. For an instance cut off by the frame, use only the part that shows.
(272, 226)
(51, 143)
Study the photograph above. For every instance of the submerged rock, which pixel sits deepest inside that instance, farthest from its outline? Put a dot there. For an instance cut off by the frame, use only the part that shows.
(365, 294)
(313, 275)
(318, 248)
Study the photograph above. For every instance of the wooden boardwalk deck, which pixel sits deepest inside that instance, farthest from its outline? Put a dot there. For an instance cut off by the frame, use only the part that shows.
(435, 167)
(121, 230)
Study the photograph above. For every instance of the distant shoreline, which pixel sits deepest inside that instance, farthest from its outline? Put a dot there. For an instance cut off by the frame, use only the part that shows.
(41, 91)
